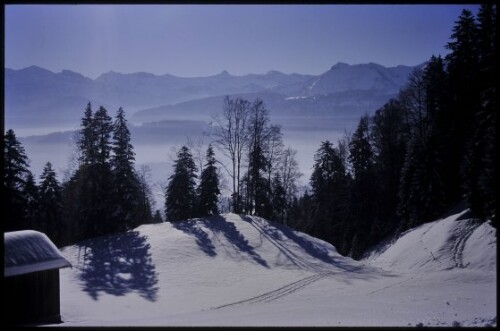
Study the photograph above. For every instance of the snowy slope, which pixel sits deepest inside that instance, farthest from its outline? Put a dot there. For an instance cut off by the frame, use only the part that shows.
(231, 270)
(441, 245)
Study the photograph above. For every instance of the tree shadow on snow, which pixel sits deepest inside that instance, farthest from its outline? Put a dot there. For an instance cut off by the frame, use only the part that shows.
(118, 265)
(279, 233)
(202, 239)
(219, 225)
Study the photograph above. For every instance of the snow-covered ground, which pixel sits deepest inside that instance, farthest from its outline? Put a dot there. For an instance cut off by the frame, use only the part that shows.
(233, 270)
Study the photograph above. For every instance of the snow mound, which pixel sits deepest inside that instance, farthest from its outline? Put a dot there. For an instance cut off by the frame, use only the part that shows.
(234, 270)
(452, 242)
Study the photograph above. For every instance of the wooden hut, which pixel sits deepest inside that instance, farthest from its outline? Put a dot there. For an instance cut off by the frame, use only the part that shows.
(31, 278)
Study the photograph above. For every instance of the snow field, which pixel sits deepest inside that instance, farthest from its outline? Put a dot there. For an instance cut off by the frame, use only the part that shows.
(233, 270)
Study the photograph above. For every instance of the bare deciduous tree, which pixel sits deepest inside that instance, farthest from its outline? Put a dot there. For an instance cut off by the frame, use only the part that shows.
(230, 135)
(290, 173)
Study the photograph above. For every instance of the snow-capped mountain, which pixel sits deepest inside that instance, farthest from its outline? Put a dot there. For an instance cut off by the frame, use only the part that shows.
(36, 96)
(362, 77)
(235, 270)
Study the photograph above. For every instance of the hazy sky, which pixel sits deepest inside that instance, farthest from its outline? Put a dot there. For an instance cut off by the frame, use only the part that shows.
(202, 40)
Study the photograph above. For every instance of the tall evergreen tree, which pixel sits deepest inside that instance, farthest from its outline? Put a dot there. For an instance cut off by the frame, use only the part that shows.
(51, 204)
(145, 198)
(87, 138)
(464, 83)
(208, 190)
(126, 192)
(103, 130)
(31, 195)
(258, 187)
(102, 176)
(363, 188)
(479, 164)
(278, 199)
(330, 197)
(16, 173)
(88, 193)
(390, 135)
(180, 195)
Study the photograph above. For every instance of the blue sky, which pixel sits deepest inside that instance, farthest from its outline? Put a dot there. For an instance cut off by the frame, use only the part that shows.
(203, 40)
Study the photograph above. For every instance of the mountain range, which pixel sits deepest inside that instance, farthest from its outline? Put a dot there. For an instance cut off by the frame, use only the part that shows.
(37, 96)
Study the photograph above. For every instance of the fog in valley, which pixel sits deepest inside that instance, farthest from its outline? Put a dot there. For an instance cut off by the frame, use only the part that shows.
(156, 144)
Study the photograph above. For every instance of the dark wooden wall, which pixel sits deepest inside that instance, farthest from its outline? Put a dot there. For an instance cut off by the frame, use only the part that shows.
(32, 298)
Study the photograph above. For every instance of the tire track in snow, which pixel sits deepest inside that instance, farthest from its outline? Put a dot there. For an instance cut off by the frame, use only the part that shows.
(280, 292)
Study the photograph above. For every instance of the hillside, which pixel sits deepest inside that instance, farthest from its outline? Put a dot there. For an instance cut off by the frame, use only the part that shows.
(233, 270)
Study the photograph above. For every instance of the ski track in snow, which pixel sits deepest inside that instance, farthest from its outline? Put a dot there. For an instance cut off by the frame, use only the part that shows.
(289, 288)
(461, 239)
(458, 240)
(287, 252)
(282, 291)
(315, 264)
(423, 244)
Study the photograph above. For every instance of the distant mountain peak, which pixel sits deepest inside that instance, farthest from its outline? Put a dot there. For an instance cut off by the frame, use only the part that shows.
(340, 65)
(70, 73)
(224, 73)
(35, 68)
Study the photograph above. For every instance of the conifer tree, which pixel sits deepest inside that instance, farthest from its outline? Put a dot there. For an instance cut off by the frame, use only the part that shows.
(101, 175)
(208, 190)
(258, 187)
(31, 195)
(87, 138)
(390, 136)
(278, 199)
(145, 196)
(16, 173)
(88, 193)
(126, 194)
(363, 188)
(464, 83)
(479, 164)
(330, 195)
(51, 204)
(180, 195)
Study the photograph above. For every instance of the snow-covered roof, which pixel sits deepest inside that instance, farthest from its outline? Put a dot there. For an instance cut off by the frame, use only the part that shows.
(30, 251)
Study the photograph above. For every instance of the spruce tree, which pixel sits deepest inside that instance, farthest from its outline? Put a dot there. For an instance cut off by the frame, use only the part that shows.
(479, 166)
(88, 193)
(87, 138)
(51, 204)
(16, 173)
(464, 83)
(126, 193)
(208, 190)
(390, 136)
(279, 202)
(31, 195)
(258, 186)
(330, 196)
(180, 195)
(101, 176)
(363, 188)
